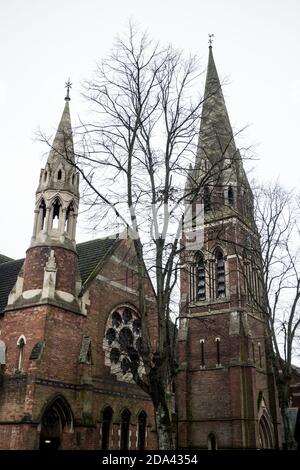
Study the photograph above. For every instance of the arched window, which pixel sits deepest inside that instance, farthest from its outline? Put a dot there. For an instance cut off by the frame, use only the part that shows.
(59, 175)
(2, 353)
(142, 420)
(218, 364)
(21, 344)
(122, 343)
(212, 442)
(125, 424)
(200, 277)
(202, 353)
(106, 425)
(230, 195)
(220, 275)
(206, 199)
(56, 213)
(57, 419)
(253, 353)
(42, 215)
(69, 219)
(259, 355)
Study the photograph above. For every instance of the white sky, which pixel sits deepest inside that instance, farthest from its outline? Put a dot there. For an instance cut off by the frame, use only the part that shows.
(256, 47)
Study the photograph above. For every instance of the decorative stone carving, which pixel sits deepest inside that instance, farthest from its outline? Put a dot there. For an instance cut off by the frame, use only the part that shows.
(123, 345)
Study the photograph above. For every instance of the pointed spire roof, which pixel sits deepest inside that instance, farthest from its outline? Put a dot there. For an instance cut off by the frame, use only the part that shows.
(60, 169)
(62, 147)
(216, 145)
(216, 141)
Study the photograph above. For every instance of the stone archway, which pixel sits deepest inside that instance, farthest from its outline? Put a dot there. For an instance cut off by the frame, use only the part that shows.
(265, 433)
(56, 419)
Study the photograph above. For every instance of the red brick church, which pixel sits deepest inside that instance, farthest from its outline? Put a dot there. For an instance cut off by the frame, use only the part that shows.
(67, 310)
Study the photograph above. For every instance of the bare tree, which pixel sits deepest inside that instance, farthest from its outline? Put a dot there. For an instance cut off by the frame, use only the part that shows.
(276, 215)
(269, 264)
(135, 159)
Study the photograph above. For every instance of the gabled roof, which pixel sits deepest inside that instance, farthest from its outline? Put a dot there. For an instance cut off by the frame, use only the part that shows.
(8, 275)
(91, 255)
(4, 259)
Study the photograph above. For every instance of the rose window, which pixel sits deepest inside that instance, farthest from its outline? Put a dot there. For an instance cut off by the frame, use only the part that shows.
(122, 344)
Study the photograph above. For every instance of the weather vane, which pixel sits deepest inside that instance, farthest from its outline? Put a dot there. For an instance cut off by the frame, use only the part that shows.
(210, 39)
(68, 85)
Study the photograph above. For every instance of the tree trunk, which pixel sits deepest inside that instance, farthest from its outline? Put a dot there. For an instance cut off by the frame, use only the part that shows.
(290, 441)
(163, 426)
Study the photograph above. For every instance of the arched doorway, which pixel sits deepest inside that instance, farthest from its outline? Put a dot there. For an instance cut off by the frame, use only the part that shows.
(57, 418)
(265, 433)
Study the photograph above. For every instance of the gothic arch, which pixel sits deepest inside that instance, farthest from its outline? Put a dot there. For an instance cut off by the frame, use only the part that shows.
(2, 353)
(120, 305)
(125, 420)
(212, 443)
(231, 195)
(199, 276)
(21, 346)
(41, 200)
(141, 429)
(56, 211)
(219, 248)
(47, 173)
(41, 215)
(207, 198)
(60, 174)
(265, 427)
(107, 420)
(22, 337)
(265, 433)
(56, 419)
(220, 273)
(69, 219)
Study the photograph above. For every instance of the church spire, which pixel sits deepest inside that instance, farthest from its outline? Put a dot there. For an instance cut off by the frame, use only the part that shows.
(62, 147)
(216, 137)
(57, 196)
(218, 161)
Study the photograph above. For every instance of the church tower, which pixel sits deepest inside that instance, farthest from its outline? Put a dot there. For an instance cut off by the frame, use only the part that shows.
(43, 319)
(68, 319)
(226, 394)
(50, 270)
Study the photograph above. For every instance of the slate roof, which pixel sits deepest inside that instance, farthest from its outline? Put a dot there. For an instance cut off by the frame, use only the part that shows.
(4, 259)
(8, 276)
(91, 255)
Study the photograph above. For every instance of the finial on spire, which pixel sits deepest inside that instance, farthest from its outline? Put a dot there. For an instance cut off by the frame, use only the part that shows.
(210, 39)
(68, 85)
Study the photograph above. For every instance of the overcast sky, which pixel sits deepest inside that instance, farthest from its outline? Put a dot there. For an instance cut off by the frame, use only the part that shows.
(43, 42)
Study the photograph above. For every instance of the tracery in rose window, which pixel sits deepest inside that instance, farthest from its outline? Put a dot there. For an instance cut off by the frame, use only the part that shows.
(123, 344)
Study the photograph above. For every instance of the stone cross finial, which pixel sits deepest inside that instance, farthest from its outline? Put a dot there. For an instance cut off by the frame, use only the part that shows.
(210, 39)
(68, 86)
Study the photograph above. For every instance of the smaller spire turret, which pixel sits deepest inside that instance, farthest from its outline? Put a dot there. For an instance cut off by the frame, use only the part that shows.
(57, 196)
